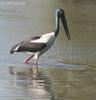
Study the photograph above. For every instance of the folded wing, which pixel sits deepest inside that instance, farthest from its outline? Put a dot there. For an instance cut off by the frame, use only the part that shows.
(28, 46)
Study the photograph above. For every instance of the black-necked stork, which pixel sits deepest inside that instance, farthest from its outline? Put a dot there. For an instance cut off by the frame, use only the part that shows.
(40, 44)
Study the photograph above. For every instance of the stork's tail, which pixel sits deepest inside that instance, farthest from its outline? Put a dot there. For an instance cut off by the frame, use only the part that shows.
(15, 48)
(12, 51)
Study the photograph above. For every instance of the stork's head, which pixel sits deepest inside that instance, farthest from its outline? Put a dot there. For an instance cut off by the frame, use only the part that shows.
(60, 13)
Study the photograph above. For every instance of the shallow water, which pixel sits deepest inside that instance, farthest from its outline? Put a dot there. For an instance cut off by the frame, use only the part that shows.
(67, 70)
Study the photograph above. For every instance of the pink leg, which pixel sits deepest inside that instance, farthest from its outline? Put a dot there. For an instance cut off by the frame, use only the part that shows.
(35, 67)
(26, 61)
(37, 62)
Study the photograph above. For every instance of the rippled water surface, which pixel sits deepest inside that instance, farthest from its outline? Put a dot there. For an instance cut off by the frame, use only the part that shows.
(68, 70)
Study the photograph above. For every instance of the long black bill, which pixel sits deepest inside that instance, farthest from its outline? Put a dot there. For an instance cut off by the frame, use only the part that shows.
(64, 22)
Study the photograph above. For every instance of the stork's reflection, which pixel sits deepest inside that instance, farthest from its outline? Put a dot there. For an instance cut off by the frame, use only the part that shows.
(37, 85)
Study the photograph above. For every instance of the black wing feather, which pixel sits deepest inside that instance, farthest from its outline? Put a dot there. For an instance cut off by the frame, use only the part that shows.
(33, 38)
(28, 46)
(31, 46)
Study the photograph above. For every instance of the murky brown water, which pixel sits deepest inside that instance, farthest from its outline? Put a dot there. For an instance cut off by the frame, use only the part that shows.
(67, 70)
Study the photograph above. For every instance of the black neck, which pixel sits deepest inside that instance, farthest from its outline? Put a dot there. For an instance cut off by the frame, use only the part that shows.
(57, 27)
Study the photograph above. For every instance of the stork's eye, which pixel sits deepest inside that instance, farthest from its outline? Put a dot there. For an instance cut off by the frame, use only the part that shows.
(62, 13)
